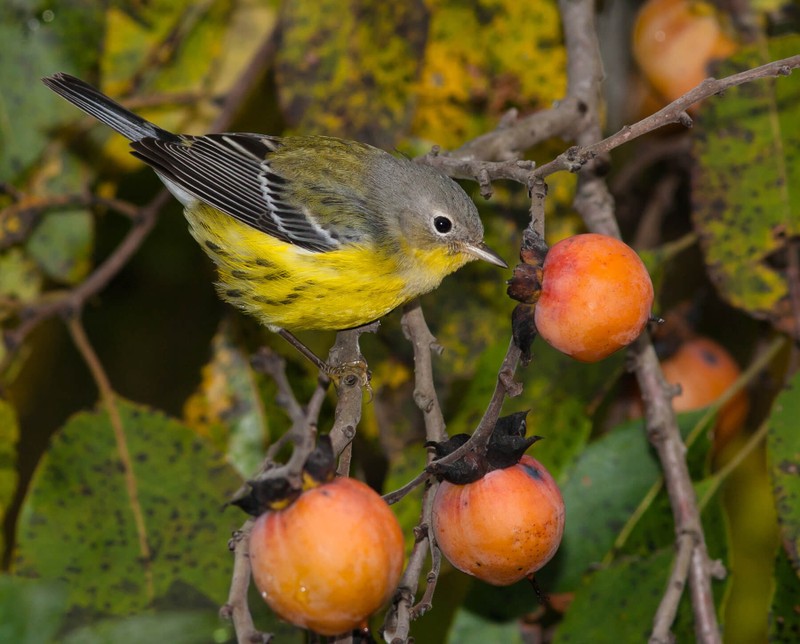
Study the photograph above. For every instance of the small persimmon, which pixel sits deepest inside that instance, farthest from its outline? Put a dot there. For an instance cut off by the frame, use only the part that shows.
(502, 527)
(674, 41)
(330, 559)
(596, 296)
(705, 370)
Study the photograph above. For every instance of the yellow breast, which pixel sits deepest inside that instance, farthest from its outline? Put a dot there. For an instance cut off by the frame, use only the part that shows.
(287, 286)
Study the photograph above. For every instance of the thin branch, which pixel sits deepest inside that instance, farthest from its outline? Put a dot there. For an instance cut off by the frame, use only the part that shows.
(416, 330)
(397, 625)
(400, 493)
(649, 227)
(663, 431)
(73, 300)
(352, 377)
(268, 362)
(247, 80)
(510, 140)
(27, 211)
(575, 158)
(236, 608)
(504, 386)
(668, 608)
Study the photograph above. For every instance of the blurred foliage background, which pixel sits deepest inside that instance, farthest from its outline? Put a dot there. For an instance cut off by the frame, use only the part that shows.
(95, 551)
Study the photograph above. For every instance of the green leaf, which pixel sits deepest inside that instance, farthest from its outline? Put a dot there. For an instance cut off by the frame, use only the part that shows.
(179, 627)
(746, 185)
(227, 407)
(62, 245)
(19, 278)
(617, 604)
(79, 521)
(9, 435)
(784, 618)
(783, 453)
(469, 628)
(607, 483)
(31, 611)
(29, 49)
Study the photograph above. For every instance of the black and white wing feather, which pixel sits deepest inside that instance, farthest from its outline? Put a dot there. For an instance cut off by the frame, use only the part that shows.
(231, 172)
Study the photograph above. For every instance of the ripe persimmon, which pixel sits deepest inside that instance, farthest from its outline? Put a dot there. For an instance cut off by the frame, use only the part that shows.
(674, 41)
(502, 527)
(596, 296)
(330, 559)
(705, 370)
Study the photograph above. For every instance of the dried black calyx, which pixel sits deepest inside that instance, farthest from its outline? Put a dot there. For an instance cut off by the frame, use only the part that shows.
(470, 467)
(320, 466)
(523, 329)
(508, 442)
(505, 448)
(449, 446)
(277, 489)
(525, 286)
(271, 493)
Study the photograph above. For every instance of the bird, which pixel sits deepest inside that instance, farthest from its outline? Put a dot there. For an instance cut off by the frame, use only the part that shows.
(306, 232)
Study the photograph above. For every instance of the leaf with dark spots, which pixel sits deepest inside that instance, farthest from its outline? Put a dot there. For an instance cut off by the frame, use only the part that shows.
(79, 487)
(746, 185)
(783, 453)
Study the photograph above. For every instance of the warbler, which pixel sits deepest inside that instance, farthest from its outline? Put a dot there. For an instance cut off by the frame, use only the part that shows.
(307, 232)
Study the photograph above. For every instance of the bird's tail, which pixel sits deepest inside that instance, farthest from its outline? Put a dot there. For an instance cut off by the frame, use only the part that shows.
(94, 102)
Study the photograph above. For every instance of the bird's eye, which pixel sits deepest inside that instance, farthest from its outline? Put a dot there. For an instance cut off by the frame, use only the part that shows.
(442, 224)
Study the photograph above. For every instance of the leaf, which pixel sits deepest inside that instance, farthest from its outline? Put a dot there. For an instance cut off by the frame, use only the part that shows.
(469, 628)
(227, 407)
(746, 186)
(19, 279)
(617, 604)
(606, 484)
(31, 611)
(463, 90)
(9, 436)
(784, 617)
(753, 535)
(62, 245)
(33, 43)
(783, 454)
(175, 627)
(78, 522)
(351, 73)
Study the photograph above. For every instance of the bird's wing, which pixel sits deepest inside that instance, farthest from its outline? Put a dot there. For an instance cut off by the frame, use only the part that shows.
(231, 172)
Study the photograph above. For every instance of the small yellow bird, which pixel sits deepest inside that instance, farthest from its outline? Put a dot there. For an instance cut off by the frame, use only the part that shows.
(307, 232)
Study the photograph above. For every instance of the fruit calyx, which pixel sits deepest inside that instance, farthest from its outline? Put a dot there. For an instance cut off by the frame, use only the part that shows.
(506, 446)
(277, 489)
(525, 286)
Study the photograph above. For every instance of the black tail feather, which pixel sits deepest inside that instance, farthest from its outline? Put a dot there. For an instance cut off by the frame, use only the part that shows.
(94, 102)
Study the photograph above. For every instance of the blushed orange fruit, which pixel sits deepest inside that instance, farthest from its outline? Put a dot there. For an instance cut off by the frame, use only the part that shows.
(330, 559)
(705, 370)
(674, 41)
(596, 296)
(504, 526)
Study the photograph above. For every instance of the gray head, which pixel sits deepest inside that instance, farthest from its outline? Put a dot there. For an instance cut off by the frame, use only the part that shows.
(439, 213)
